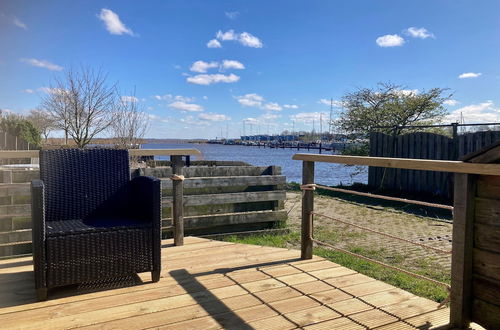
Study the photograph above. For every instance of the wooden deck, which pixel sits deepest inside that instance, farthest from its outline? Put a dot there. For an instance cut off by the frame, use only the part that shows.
(210, 285)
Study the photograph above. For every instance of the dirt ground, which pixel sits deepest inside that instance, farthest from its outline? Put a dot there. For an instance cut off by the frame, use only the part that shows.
(388, 220)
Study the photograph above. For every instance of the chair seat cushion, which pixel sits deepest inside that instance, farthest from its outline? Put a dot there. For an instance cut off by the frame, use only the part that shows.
(79, 226)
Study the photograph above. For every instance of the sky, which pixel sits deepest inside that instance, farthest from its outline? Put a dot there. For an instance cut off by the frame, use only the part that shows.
(207, 69)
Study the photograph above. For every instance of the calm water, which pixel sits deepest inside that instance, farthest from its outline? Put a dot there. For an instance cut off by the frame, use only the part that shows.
(329, 174)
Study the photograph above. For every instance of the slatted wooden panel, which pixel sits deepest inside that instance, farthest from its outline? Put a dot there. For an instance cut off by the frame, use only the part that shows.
(486, 254)
(422, 145)
(217, 199)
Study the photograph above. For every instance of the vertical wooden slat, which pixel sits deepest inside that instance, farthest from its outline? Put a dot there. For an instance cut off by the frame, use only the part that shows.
(177, 204)
(307, 208)
(461, 260)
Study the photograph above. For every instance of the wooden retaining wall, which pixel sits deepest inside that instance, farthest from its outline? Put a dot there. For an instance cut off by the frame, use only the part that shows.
(216, 199)
(423, 145)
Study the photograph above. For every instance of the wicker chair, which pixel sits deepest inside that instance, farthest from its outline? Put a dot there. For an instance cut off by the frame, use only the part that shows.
(90, 221)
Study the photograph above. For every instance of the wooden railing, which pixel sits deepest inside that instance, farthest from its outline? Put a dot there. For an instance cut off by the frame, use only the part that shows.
(476, 223)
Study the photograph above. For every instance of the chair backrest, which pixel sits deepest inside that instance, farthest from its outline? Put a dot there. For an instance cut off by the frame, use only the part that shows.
(79, 181)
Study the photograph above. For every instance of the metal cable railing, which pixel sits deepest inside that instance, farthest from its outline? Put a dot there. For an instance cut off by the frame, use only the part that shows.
(311, 214)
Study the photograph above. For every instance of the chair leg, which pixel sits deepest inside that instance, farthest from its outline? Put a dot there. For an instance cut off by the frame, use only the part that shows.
(155, 275)
(42, 294)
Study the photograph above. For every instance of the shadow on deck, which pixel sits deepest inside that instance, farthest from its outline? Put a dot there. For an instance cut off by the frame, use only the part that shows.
(211, 285)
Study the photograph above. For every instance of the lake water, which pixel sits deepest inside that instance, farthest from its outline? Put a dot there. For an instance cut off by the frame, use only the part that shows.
(329, 174)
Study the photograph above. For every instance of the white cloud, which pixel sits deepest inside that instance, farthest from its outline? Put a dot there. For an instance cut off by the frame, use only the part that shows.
(113, 23)
(451, 103)
(251, 120)
(249, 40)
(258, 101)
(390, 40)
(269, 116)
(190, 107)
(245, 38)
(232, 64)
(421, 33)
(406, 92)
(308, 117)
(250, 100)
(201, 66)
(207, 79)
(28, 90)
(17, 22)
(228, 35)
(466, 75)
(49, 90)
(127, 98)
(214, 43)
(272, 106)
(290, 106)
(205, 97)
(476, 113)
(213, 117)
(170, 97)
(330, 102)
(232, 14)
(42, 64)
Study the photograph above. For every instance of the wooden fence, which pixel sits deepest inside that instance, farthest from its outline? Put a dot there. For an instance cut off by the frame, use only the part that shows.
(215, 199)
(423, 145)
(475, 268)
(11, 142)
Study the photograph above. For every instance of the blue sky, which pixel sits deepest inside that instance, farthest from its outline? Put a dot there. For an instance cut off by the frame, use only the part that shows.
(200, 68)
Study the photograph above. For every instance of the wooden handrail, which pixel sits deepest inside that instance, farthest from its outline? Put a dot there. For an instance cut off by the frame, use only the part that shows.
(133, 152)
(410, 164)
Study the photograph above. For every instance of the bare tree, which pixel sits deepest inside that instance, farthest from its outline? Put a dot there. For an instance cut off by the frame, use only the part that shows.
(130, 123)
(43, 121)
(82, 104)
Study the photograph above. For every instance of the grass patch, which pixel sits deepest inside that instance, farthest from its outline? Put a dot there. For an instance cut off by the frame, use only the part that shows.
(282, 241)
(416, 286)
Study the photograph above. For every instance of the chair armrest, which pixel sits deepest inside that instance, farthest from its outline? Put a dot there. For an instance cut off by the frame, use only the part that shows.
(38, 231)
(146, 198)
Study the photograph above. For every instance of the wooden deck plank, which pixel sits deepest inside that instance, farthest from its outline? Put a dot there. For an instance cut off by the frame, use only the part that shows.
(213, 285)
(373, 318)
(312, 315)
(342, 323)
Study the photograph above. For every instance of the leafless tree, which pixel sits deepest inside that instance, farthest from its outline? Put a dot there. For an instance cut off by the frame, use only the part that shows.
(43, 121)
(82, 104)
(130, 123)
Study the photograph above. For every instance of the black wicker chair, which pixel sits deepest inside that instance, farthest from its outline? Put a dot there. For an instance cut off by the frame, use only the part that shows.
(90, 221)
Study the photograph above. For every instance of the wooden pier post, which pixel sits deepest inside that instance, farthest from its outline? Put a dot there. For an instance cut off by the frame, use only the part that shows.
(177, 203)
(307, 208)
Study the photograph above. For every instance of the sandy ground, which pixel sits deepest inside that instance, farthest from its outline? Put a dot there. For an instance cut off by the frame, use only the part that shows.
(387, 220)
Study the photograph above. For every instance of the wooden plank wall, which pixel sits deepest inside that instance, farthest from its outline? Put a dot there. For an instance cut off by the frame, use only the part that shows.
(486, 253)
(422, 145)
(217, 199)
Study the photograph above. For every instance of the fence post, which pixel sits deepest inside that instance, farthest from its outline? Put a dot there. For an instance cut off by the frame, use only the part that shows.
(455, 140)
(307, 208)
(461, 258)
(177, 203)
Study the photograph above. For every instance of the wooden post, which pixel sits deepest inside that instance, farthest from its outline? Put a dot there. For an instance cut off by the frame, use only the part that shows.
(307, 208)
(177, 203)
(455, 141)
(461, 259)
